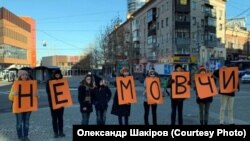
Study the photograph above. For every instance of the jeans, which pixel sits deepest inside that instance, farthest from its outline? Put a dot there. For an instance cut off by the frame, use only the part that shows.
(120, 120)
(154, 116)
(204, 112)
(176, 104)
(85, 118)
(57, 120)
(227, 102)
(22, 124)
(101, 116)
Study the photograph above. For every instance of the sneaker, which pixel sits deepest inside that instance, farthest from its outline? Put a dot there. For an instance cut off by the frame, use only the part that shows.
(62, 135)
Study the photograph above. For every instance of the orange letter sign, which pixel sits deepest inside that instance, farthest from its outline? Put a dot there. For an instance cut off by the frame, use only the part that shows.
(126, 90)
(180, 88)
(205, 85)
(26, 98)
(153, 88)
(229, 79)
(60, 94)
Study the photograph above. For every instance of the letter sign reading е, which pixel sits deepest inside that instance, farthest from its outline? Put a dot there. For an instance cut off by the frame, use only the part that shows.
(60, 94)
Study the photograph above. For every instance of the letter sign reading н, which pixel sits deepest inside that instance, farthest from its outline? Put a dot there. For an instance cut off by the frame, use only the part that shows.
(126, 90)
(180, 87)
(205, 85)
(153, 90)
(229, 79)
(60, 94)
(26, 98)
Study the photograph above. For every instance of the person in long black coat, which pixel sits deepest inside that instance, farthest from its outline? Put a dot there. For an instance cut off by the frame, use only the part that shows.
(121, 110)
(102, 97)
(86, 93)
(56, 114)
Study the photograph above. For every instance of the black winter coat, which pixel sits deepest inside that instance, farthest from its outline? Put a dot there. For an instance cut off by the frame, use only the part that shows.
(83, 94)
(120, 110)
(102, 97)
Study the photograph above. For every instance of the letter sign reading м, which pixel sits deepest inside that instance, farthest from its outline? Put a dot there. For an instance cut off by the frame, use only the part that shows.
(60, 94)
(205, 85)
(26, 98)
(229, 79)
(180, 87)
(126, 90)
(153, 90)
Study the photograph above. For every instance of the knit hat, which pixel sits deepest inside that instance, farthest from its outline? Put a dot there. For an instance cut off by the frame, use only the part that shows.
(124, 69)
(177, 66)
(151, 72)
(202, 68)
(21, 72)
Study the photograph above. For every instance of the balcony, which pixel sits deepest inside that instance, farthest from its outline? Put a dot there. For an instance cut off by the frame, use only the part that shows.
(211, 13)
(182, 41)
(211, 44)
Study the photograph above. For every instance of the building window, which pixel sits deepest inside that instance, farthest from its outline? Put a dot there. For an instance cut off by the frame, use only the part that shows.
(151, 40)
(221, 26)
(158, 25)
(194, 20)
(166, 21)
(162, 23)
(194, 5)
(220, 14)
(182, 2)
(202, 22)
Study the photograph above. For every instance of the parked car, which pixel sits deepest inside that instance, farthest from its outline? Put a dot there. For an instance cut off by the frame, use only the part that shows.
(246, 77)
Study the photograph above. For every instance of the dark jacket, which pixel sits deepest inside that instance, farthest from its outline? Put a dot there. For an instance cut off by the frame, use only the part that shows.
(102, 97)
(85, 98)
(120, 110)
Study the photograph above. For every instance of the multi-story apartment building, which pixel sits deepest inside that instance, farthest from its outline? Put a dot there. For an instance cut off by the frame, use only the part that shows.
(237, 39)
(17, 40)
(179, 31)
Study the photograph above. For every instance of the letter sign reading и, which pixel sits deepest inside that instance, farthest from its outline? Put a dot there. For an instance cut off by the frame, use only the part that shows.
(205, 85)
(153, 90)
(229, 79)
(126, 90)
(180, 87)
(26, 98)
(60, 94)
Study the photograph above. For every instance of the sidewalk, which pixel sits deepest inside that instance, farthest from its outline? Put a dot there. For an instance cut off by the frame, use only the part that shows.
(41, 127)
(4, 83)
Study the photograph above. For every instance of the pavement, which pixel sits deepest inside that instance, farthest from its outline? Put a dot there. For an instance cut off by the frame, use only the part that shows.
(41, 125)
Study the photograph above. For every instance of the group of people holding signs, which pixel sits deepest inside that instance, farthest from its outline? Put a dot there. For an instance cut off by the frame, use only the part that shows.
(92, 93)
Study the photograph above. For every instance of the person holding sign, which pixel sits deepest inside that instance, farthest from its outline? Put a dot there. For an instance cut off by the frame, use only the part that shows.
(176, 103)
(86, 92)
(56, 114)
(228, 78)
(121, 110)
(22, 119)
(204, 103)
(102, 97)
(151, 74)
